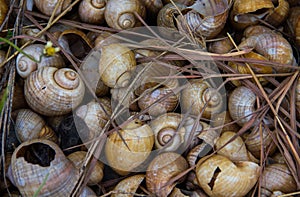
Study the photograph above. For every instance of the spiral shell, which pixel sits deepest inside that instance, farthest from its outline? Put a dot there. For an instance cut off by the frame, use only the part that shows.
(128, 186)
(206, 19)
(279, 13)
(221, 46)
(161, 170)
(116, 64)
(92, 11)
(124, 158)
(78, 158)
(197, 95)
(47, 7)
(25, 65)
(38, 160)
(241, 105)
(29, 125)
(3, 11)
(121, 16)
(277, 177)
(218, 176)
(51, 91)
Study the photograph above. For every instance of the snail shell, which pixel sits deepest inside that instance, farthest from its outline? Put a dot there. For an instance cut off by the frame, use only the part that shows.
(121, 16)
(31, 32)
(221, 46)
(206, 19)
(294, 20)
(241, 104)
(87, 192)
(78, 157)
(30, 125)
(277, 177)
(235, 150)
(153, 7)
(223, 119)
(47, 7)
(51, 91)
(128, 186)
(38, 160)
(26, 66)
(219, 176)
(3, 11)
(161, 170)
(116, 64)
(92, 11)
(279, 13)
(197, 94)
(125, 158)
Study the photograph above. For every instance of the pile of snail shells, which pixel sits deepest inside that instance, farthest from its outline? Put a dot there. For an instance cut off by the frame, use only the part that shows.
(51, 89)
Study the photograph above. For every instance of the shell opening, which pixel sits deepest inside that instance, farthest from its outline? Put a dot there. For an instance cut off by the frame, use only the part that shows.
(37, 153)
(213, 178)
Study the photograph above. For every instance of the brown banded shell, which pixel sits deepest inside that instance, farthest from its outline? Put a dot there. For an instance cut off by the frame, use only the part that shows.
(47, 7)
(127, 187)
(277, 177)
(279, 13)
(241, 104)
(121, 16)
(92, 11)
(30, 125)
(198, 94)
(161, 170)
(3, 11)
(38, 160)
(51, 91)
(124, 158)
(25, 65)
(204, 18)
(218, 176)
(78, 158)
(294, 23)
(116, 64)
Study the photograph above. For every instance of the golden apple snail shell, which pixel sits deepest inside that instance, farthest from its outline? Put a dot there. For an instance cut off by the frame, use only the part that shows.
(51, 91)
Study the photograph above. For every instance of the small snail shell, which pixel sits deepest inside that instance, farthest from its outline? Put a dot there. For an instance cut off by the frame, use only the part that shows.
(139, 139)
(51, 91)
(206, 19)
(121, 16)
(78, 157)
(36, 160)
(92, 11)
(294, 21)
(161, 169)
(30, 125)
(47, 7)
(197, 94)
(31, 32)
(3, 11)
(25, 66)
(277, 177)
(241, 104)
(235, 150)
(279, 13)
(95, 117)
(218, 176)
(128, 186)
(116, 64)
(221, 46)
(167, 137)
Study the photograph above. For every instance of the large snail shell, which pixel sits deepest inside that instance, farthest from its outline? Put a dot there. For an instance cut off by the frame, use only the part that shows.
(161, 170)
(121, 16)
(294, 20)
(25, 66)
(3, 11)
(246, 13)
(272, 46)
(197, 94)
(206, 19)
(35, 161)
(241, 105)
(47, 7)
(218, 176)
(125, 158)
(51, 91)
(30, 125)
(95, 117)
(92, 11)
(279, 13)
(78, 158)
(277, 177)
(164, 127)
(235, 150)
(127, 187)
(116, 65)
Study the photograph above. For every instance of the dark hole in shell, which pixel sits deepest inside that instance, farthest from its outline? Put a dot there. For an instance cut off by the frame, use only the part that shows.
(213, 179)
